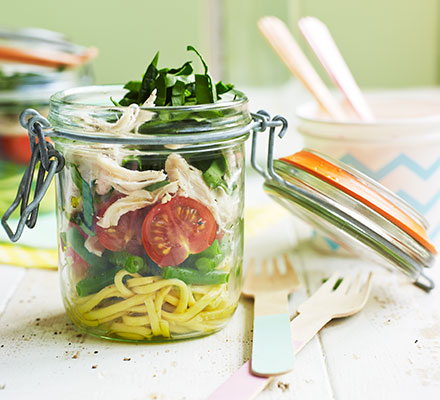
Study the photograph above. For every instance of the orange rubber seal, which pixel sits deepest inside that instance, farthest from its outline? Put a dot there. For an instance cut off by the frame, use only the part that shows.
(350, 185)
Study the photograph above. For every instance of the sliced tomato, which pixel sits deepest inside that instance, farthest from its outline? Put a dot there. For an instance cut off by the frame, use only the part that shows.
(126, 235)
(16, 148)
(174, 230)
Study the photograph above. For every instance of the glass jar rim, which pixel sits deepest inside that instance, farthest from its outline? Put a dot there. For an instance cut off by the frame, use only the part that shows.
(87, 113)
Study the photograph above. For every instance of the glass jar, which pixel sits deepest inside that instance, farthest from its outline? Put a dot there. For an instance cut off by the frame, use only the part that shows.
(28, 86)
(150, 214)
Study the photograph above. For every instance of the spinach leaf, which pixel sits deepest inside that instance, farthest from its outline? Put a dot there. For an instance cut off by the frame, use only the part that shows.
(175, 86)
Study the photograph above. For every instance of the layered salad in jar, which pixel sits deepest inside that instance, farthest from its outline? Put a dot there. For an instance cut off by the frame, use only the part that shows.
(151, 237)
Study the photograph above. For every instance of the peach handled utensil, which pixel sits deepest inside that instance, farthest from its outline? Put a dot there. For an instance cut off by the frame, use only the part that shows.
(322, 44)
(272, 350)
(281, 40)
(325, 304)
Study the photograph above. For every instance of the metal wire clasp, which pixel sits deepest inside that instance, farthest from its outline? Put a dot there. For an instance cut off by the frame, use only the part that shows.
(51, 162)
(266, 122)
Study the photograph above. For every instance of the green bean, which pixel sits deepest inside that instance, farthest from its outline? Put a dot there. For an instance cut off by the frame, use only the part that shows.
(76, 241)
(94, 283)
(192, 276)
(128, 261)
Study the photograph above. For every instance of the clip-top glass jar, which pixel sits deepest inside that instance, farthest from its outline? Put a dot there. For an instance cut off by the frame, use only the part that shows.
(150, 213)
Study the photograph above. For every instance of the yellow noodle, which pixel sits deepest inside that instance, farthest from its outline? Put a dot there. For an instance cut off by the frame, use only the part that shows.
(216, 303)
(184, 291)
(136, 321)
(108, 291)
(116, 308)
(172, 299)
(160, 299)
(85, 321)
(191, 299)
(217, 314)
(168, 307)
(165, 328)
(122, 328)
(138, 309)
(111, 317)
(124, 291)
(145, 280)
(192, 311)
(154, 319)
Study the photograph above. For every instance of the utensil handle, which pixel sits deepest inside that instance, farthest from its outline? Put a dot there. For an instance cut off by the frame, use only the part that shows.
(305, 326)
(323, 45)
(243, 385)
(272, 350)
(281, 40)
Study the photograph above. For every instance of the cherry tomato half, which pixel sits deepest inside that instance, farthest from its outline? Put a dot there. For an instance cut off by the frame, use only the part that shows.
(126, 235)
(174, 230)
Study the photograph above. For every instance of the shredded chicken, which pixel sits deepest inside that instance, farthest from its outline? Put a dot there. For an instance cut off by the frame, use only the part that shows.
(122, 179)
(93, 245)
(134, 201)
(151, 99)
(191, 184)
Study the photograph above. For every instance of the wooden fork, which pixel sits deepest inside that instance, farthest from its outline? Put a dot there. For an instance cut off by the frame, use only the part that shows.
(328, 303)
(325, 304)
(272, 350)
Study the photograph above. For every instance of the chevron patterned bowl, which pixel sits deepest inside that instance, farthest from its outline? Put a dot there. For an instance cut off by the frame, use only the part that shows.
(401, 150)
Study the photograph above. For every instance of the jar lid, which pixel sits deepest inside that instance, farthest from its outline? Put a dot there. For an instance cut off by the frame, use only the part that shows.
(354, 211)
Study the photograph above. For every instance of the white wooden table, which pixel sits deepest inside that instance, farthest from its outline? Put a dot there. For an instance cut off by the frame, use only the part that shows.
(391, 350)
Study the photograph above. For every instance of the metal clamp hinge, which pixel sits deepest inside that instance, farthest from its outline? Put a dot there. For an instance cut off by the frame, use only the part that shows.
(51, 162)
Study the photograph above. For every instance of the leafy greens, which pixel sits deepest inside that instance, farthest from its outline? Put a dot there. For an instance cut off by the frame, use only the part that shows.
(175, 86)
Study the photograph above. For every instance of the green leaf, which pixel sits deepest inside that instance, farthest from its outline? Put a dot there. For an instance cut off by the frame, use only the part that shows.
(178, 94)
(114, 102)
(133, 86)
(148, 80)
(161, 95)
(203, 89)
(185, 69)
(191, 48)
(223, 88)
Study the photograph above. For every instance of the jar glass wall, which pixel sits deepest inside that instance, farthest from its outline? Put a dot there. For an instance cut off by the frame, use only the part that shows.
(150, 236)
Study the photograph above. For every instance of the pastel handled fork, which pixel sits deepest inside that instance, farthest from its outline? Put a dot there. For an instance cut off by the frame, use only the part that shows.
(272, 350)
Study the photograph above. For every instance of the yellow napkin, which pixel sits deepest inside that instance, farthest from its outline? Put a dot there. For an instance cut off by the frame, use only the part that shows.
(258, 218)
(29, 257)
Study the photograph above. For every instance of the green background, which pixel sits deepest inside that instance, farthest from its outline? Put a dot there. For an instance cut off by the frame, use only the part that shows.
(386, 43)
